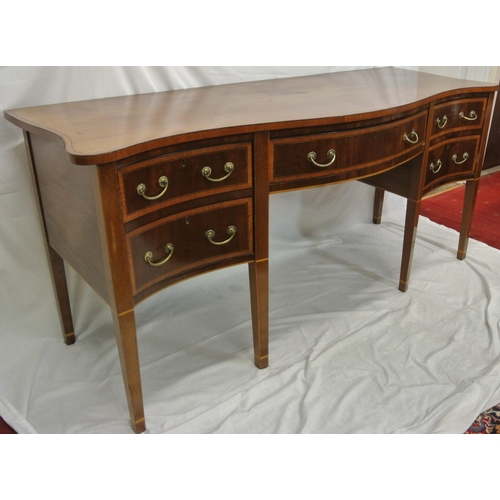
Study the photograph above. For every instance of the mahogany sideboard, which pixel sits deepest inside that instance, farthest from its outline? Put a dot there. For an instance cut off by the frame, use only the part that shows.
(139, 192)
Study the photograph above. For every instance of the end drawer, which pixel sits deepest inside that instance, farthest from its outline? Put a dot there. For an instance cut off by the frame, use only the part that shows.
(451, 160)
(459, 114)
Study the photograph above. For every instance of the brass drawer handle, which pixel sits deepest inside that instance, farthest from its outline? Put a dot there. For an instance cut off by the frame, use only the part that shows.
(472, 116)
(228, 167)
(162, 182)
(465, 157)
(441, 124)
(407, 137)
(169, 250)
(210, 234)
(435, 168)
(331, 155)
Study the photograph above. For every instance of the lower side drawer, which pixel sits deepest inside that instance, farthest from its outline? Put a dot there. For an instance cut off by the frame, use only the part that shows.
(188, 240)
(451, 160)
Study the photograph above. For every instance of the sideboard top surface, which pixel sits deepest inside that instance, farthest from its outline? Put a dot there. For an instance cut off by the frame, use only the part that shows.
(107, 129)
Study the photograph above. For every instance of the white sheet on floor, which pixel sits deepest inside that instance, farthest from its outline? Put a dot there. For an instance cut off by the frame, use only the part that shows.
(349, 353)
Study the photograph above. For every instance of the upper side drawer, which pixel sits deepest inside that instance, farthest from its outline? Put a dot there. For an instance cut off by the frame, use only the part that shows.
(337, 154)
(458, 114)
(177, 177)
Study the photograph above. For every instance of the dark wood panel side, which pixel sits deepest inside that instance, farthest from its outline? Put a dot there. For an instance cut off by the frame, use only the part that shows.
(68, 203)
(395, 181)
(56, 263)
(492, 156)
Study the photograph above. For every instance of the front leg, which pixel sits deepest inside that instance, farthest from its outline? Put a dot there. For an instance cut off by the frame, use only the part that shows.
(410, 233)
(126, 339)
(259, 296)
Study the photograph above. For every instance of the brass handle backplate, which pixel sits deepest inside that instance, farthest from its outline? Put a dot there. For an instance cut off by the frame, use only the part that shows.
(228, 167)
(331, 155)
(162, 182)
(472, 116)
(465, 157)
(169, 250)
(412, 138)
(210, 234)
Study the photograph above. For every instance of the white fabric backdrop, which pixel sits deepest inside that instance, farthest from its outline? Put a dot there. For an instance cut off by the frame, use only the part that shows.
(349, 353)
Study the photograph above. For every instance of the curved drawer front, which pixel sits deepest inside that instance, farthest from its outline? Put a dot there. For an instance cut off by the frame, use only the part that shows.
(188, 240)
(450, 160)
(339, 153)
(458, 114)
(178, 177)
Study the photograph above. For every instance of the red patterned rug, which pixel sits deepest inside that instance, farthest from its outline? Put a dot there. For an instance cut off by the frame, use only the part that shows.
(446, 208)
(487, 423)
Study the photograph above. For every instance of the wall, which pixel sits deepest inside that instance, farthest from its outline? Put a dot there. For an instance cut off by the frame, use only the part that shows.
(480, 73)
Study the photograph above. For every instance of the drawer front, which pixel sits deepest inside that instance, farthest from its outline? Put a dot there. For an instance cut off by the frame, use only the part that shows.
(189, 240)
(458, 114)
(178, 177)
(451, 160)
(339, 153)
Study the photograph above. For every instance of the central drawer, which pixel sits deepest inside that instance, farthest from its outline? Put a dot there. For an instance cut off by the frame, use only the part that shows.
(170, 179)
(348, 152)
(189, 240)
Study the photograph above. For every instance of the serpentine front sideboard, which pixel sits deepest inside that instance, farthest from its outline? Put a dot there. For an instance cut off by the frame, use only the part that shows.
(139, 192)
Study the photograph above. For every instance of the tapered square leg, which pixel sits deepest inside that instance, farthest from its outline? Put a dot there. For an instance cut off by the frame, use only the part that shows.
(470, 196)
(259, 296)
(378, 205)
(126, 339)
(410, 233)
(61, 290)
